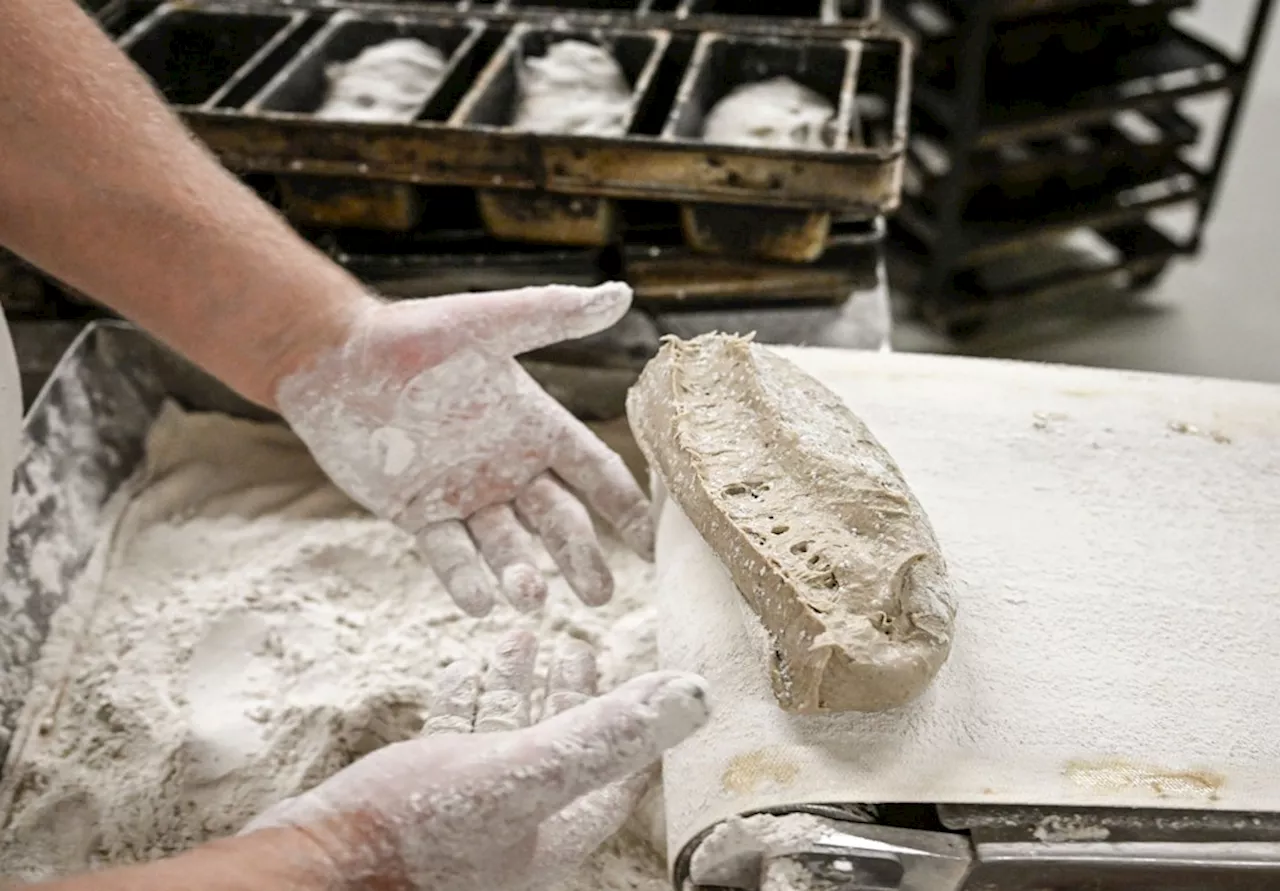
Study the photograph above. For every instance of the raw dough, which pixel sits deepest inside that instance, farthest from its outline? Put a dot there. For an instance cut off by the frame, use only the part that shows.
(809, 514)
(246, 631)
(774, 113)
(576, 87)
(388, 82)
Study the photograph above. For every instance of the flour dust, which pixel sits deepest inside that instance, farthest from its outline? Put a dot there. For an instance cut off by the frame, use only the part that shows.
(248, 632)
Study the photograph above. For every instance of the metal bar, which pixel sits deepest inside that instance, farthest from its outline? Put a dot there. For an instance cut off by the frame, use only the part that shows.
(1245, 68)
(975, 40)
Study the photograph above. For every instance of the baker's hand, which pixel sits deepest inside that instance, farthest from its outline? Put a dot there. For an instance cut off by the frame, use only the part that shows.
(423, 416)
(513, 809)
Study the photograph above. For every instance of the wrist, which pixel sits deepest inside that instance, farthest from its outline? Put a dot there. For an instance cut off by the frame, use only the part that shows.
(281, 859)
(309, 331)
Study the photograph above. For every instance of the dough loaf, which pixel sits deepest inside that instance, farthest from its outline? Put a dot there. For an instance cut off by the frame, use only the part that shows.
(774, 113)
(387, 82)
(810, 515)
(576, 87)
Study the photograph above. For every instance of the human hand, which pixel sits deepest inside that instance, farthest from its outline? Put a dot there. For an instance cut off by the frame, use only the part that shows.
(512, 809)
(424, 417)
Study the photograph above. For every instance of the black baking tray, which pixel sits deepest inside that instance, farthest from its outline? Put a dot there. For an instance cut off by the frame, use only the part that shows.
(651, 163)
(1010, 226)
(1104, 29)
(985, 298)
(1074, 159)
(1021, 101)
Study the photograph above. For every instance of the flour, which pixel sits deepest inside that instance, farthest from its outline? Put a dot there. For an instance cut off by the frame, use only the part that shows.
(246, 631)
(774, 113)
(576, 87)
(389, 81)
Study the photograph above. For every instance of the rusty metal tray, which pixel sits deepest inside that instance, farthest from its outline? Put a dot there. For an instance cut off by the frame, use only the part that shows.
(847, 17)
(543, 217)
(652, 162)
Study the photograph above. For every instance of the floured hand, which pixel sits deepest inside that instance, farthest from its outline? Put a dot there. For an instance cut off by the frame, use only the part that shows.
(423, 416)
(513, 809)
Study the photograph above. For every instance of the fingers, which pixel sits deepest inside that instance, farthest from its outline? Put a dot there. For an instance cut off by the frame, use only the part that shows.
(600, 742)
(508, 549)
(602, 478)
(514, 322)
(452, 554)
(453, 705)
(572, 678)
(566, 531)
(568, 838)
(504, 702)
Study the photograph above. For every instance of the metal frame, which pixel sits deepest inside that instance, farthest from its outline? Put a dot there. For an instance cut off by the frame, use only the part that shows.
(943, 256)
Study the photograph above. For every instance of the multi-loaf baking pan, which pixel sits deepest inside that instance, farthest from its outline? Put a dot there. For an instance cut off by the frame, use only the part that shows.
(583, 220)
(254, 105)
(742, 16)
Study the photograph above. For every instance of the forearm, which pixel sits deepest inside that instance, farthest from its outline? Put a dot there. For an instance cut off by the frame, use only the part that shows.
(275, 859)
(102, 186)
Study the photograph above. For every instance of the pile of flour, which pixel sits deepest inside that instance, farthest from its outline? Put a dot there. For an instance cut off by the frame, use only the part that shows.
(576, 87)
(243, 632)
(386, 82)
(773, 113)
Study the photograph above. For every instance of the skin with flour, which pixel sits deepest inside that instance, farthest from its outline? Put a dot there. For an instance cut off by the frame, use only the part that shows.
(810, 515)
(188, 252)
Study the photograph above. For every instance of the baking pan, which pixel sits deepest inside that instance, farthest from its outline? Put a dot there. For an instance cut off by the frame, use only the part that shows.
(768, 17)
(333, 201)
(543, 217)
(720, 64)
(195, 57)
(675, 278)
(299, 88)
(754, 16)
(646, 164)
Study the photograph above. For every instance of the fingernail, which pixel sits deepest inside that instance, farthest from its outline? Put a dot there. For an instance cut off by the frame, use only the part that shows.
(525, 587)
(637, 532)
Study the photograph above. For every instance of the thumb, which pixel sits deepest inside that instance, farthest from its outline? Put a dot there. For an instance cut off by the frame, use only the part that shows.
(513, 322)
(598, 743)
(571, 836)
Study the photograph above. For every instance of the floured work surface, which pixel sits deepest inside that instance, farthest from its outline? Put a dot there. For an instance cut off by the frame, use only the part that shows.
(1112, 540)
(243, 632)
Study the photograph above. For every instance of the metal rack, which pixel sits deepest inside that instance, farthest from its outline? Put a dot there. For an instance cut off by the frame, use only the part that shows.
(1033, 120)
